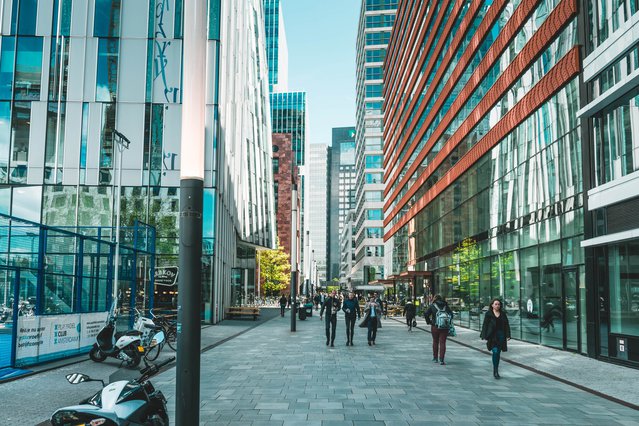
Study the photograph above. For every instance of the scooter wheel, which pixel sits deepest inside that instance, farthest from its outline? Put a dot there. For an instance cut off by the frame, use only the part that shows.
(96, 354)
(135, 357)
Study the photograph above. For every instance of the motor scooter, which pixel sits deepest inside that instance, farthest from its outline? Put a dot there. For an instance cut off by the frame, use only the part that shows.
(126, 402)
(125, 346)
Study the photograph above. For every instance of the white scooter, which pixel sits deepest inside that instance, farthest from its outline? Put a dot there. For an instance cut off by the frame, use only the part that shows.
(123, 346)
(125, 402)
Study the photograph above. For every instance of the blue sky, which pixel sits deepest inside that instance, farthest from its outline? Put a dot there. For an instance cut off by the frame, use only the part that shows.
(321, 38)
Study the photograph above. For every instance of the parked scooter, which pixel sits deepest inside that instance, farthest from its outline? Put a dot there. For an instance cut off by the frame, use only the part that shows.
(132, 402)
(125, 346)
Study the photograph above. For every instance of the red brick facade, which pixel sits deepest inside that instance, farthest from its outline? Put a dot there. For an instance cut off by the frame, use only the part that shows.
(285, 174)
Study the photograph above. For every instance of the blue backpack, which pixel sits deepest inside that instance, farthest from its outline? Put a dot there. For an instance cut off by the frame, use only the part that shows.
(442, 319)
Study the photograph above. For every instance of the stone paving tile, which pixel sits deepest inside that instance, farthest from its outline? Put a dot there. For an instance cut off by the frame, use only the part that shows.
(294, 379)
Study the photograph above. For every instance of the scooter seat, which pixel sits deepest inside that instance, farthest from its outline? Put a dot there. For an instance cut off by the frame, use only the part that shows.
(153, 327)
(127, 333)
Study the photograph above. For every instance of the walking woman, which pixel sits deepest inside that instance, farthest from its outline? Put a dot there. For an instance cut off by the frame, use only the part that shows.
(496, 332)
(440, 317)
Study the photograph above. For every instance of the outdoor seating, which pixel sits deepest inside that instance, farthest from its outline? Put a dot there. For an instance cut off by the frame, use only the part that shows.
(236, 311)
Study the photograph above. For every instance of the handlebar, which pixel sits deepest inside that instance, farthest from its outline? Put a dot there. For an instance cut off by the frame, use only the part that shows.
(152, 369)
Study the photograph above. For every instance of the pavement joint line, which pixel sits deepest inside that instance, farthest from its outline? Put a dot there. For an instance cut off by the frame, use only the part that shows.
(542, 373)
(226, 339)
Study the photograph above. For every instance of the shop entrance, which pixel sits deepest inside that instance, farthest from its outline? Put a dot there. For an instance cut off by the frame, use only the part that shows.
(559, 319)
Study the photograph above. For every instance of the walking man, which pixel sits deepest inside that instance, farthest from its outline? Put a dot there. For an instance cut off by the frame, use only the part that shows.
(332, 306)
(283, 302)
(351, 309)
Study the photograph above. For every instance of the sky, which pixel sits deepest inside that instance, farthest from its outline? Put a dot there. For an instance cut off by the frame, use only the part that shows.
(321, 37)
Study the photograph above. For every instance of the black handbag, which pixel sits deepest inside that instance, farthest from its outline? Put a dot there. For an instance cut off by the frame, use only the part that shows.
(414, 323)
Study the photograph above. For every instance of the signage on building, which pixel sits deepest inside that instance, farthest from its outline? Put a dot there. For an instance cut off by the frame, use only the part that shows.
(166, 275)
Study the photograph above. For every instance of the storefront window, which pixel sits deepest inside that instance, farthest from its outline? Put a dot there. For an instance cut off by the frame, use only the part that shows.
(623, 269)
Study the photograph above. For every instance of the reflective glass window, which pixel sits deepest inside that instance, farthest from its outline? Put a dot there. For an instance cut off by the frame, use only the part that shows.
(373, 90)
(107, 70)
(62, 8)
(28, 68)
(374, 214)
(106, 21)
(7, 59)
(5, 139)
(373, 161)
(26, 202)
(20, 126)
(28, 10)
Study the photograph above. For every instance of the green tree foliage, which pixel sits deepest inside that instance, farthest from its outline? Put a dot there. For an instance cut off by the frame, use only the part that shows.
(275, 270)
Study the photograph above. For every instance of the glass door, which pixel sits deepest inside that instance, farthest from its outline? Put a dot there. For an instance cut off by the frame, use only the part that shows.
(551, 308)
(571, 308)
(7, 306)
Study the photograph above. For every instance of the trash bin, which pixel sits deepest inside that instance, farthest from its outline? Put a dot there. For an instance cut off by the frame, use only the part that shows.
(302, 314)
(309, 310)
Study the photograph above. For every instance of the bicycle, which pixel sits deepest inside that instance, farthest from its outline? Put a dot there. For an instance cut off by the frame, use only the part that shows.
(169, 325)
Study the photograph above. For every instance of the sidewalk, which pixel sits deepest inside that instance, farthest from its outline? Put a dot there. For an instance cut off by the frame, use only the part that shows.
(610, 380)
(269, 375)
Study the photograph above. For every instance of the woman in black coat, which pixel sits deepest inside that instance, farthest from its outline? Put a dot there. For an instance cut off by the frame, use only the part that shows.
(496, 332)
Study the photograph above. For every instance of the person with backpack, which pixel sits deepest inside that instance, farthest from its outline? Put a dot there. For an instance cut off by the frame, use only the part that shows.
(440, 318)
(496, 331)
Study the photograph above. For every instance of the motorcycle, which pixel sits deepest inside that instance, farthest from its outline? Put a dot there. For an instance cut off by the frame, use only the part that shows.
(126, 402)
(125, 346)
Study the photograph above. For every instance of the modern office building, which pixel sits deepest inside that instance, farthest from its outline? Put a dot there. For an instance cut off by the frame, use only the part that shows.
(346, 252)
(318, 196)
(610, 129)
(342, 192)
(74, 72)
(483, 178)
(375, 25)
(276, 47)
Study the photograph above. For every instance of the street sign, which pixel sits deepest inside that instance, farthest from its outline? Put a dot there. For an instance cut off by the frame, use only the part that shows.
(166, 275)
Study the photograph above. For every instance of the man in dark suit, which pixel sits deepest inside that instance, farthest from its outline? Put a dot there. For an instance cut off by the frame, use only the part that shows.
(332, 305)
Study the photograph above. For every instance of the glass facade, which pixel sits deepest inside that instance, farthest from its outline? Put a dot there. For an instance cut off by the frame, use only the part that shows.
(67, 84)
(318, 196)
(342, 192)
(375, 25)
(610, 118)
(276, 48)
(491, 210)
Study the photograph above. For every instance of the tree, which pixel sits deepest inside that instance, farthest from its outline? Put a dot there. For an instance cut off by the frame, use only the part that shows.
(275, 270)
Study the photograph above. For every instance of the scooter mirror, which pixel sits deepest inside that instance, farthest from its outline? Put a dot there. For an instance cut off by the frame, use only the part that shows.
(75, 378)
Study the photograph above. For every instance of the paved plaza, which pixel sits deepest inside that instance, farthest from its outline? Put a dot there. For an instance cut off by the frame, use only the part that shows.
(260, 373)
(269, 375)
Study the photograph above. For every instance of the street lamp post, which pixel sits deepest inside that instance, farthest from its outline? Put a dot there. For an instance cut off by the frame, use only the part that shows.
(189, 331)
(293, 254)
(122, 142)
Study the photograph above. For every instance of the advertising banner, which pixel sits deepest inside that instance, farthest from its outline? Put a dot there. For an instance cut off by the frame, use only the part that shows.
(43, 338)
(91, 325)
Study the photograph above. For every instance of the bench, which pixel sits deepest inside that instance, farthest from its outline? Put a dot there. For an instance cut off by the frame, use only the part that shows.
(236, 311)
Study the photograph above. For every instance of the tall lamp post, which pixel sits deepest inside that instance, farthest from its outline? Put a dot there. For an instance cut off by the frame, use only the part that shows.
(122, 142)
(187, 387)
(293, 254)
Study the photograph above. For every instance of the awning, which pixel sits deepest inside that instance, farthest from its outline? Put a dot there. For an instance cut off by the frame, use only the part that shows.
(370, 287)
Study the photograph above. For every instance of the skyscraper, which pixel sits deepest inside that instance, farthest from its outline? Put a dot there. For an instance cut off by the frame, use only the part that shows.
(276, 47)
(375, 25)
(342, 191)
(482, 146)
(74, 72)
(318, 184)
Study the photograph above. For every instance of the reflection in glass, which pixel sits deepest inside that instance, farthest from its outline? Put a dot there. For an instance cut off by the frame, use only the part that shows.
(26, 202)
(28, 68)
(7, 57)
(107, 70)
(106, 21)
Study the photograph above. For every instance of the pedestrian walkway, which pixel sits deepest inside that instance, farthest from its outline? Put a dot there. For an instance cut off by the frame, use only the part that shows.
(268, 375)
